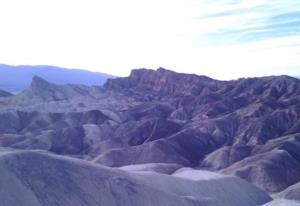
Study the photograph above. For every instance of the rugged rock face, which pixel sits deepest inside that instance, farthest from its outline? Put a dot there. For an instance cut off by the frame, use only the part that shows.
(247, 127)
(164, 82)
(223, 123)
(35, 178)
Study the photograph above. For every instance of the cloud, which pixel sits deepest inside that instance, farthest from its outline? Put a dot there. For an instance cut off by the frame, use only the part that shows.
(245, 22)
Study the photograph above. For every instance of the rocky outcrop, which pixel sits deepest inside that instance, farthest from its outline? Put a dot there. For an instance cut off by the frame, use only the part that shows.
(163, 82)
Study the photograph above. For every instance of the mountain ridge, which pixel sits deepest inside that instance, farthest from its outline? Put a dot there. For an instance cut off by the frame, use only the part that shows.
(232, 127)
(17, 78)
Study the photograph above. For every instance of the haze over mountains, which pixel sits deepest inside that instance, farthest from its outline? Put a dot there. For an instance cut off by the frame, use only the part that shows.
(158, 121)
(17, 78)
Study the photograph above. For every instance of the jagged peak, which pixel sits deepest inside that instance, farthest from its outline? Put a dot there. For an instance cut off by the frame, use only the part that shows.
(39, 79)
(41, 88)
(39, 83)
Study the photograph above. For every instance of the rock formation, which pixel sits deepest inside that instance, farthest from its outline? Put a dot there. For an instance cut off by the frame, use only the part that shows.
(246, 127)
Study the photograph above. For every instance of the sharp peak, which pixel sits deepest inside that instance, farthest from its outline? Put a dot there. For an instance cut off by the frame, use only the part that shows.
(39, 82)
(38, 78)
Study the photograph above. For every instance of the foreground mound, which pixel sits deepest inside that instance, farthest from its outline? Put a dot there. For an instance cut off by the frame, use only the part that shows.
(34, 178)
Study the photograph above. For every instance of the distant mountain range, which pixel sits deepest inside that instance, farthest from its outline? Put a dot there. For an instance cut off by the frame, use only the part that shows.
(17, 78)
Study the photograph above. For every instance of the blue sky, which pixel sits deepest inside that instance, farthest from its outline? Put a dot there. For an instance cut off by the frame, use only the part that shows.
(224, 39)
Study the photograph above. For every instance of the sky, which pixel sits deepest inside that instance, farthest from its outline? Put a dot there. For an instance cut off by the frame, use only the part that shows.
(223, 39)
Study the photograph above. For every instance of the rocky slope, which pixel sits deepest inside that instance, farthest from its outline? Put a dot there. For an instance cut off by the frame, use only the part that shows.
(246, 127)
(35, 178)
